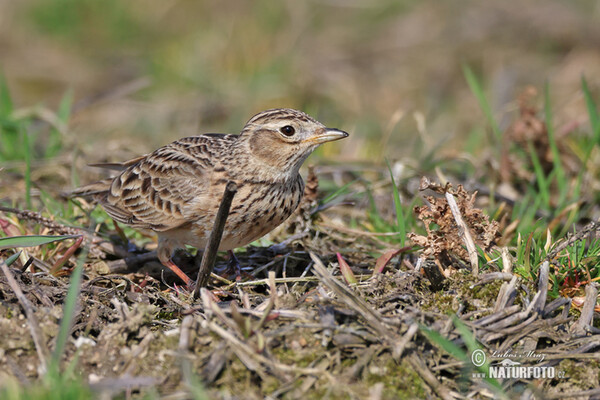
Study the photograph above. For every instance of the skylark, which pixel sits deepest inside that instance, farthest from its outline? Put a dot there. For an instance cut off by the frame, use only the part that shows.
(176, 190)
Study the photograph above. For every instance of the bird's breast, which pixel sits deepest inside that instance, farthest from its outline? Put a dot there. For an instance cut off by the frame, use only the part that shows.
(256, 209)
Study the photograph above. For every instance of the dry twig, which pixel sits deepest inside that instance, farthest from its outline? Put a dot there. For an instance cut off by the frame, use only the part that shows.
(463, 231)
(352, 300)
(34, 326)
(212, 245)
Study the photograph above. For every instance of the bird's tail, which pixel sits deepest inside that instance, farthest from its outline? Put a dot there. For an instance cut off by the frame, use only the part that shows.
(97, 190)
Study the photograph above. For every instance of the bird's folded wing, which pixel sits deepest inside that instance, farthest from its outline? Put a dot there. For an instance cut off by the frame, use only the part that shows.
(154, 192)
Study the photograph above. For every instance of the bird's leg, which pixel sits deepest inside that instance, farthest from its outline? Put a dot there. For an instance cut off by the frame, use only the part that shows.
(186, 279)
(164, 252)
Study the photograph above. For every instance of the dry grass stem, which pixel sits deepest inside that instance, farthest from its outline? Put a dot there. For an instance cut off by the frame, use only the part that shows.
(214, 239)
(352, 300)
(587, 313)
(33, 324)
(463, 230)
(421, 368)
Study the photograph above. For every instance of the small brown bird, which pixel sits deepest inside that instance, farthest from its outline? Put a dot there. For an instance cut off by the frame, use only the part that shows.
(177, 189)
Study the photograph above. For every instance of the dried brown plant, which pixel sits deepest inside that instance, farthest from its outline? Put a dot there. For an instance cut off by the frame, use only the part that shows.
(444, 240)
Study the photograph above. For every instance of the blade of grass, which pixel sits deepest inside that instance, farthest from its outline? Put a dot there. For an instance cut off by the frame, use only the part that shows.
(13, 258)
(27, 151)
(31, 240)
(33, 323)
(9, 132)
(461, 355)
(346, 270)
(561, 180)
(384, 259)
(579, 180)
(69, 309)
(75, 182)
(338, 192)
(477, 90)
(401, 223)
(63, 114)
(526, 210)
(6, 104)
(70, 251)
(594, 116)
(70, 371)
(526, 262)
(379, 224)
(543, 186)
(556, 157)
(469, 338)
(465, 333)
(9, 138)
(195, 386)
(445, 344)
(572, 216)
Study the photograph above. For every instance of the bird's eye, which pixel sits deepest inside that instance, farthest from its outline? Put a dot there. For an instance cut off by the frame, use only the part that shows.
(288, 130)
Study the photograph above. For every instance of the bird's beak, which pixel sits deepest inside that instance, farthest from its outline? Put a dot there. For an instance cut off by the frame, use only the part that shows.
(327, 135)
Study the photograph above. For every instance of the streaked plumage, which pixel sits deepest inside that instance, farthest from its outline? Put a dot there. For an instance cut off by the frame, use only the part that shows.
(176, 190)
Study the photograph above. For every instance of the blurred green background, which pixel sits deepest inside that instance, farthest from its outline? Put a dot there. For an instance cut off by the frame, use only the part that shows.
(144, 73)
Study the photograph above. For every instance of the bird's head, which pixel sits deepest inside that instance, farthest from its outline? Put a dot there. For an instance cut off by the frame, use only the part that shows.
(283, 138)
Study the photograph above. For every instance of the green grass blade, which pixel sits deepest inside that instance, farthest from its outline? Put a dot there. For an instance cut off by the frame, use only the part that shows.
(6, 104)
(529, 206)
(71, 368)
(379, 224)
(68, 315)
(477, 90)
(31, 240)
(445, 344)
(75, 181)
(543, 186)
(401, 222)
(561, 179)
(469, 338)
(195, 386)
(338, 192)
(465, 333)
(578, 183)
(64, 112)
(9, 128)
(64, 109)
(12, 258)
(592, 110)
(9, 139)
(27, 152)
